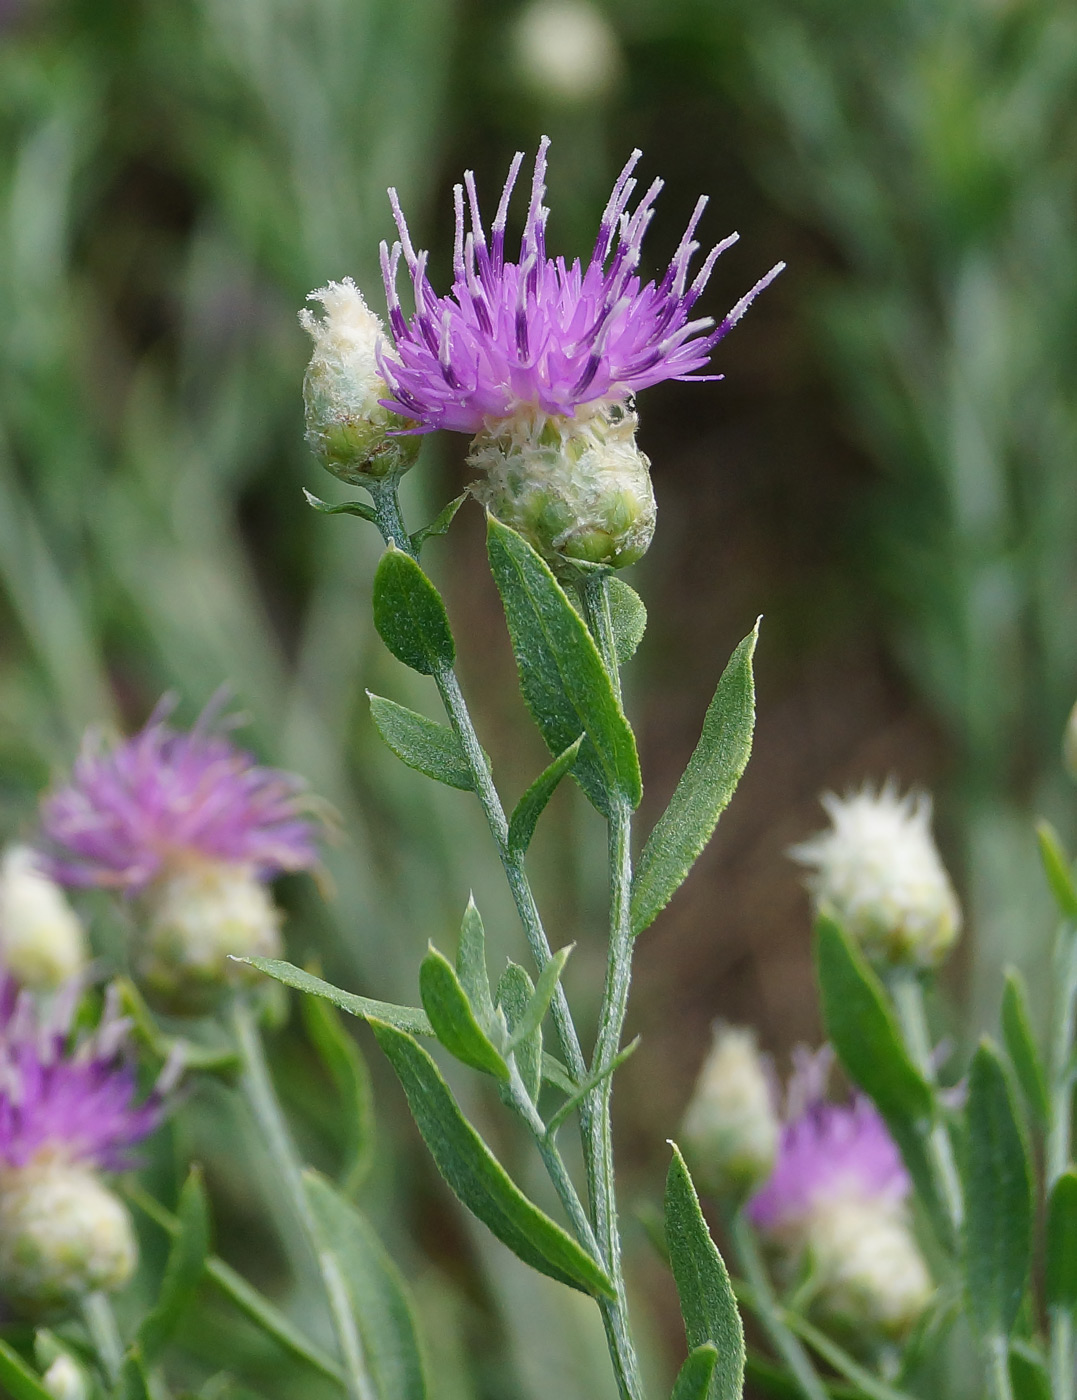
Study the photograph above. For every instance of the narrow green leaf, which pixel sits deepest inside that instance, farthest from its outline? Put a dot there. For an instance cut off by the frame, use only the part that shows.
(455, 1026)
(1060, 1267)
(704, 791)
(998, 1193)
(564, 682)
(347, 1068)
(359, 508)
(409, 614)
(421, 743)
(16, 1377)
(533, 803)
(1028, 1373)
(405, 1018)
(183, 1272)
(629, 617)
(1056, 865)
(471, 965)
(133, 1383)
(1021, 1044)
(694, 1378)
(577, 1096)
(378, 1294)
(535, 1011)
(515, 992)
(555, 1073)
(706, 1296)
(477, 1177)
(440, 522)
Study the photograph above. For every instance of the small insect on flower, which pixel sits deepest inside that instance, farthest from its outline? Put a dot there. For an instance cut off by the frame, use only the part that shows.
(538, 360)
(877, 870)
(68, 1110)
(835, 1208)
(195, 828)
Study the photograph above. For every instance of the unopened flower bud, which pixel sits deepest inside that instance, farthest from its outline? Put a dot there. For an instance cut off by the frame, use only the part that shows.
(566, 51)
(878, 871)
(65, 1379)
(42, 942)
(347, 428)
(200, 917)
(730, 1130)
(866, 1266)
(62, 1235)
(577, 489)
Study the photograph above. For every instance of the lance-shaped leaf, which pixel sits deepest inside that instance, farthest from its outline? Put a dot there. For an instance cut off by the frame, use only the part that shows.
(342, 1058)
(183, 1271)
(706, 1296)
(998, 1195)
(476, 1176)
(1021, 1044)
(446, 1003)
(533, 803)
(378, 1294)
(471, 965)
(564, 682)
(694, 1378)
(1060, 1270)
(628, 616)
(1058, 870)
(409, 614)
(704, 791)
(133, 1382)
(1028, 1373)
(405, 1018)
(535, 1011)
(421, 743)
(17, 1379)
(440, 522)
(359, 508)
(515, 992)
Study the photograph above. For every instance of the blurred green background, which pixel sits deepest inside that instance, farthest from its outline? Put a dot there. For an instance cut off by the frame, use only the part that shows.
(886, 473)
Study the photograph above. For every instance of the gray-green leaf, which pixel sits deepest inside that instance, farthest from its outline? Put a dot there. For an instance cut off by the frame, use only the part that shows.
(378, 1294)
(704, 791)
(359, 508)
(440, 522)
(564, 682)
(1058, 870)
(694, 1378)
(476, 1176)
(1021, 1044)
(409, 614)
(405, 1018)
(533, 803)
(471, 965)
(348, 1070)
(1060, 1270)
(515, 992)
(183, 1271)
(628, 616)
(706, 1296)
(998, 1193)
(447, 1005)
(421, 743)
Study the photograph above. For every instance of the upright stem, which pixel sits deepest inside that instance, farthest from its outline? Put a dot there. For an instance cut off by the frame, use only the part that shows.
(257, 1087)
(100, 1322)
(908, 994)
(1060, 1135)
(998, 1368)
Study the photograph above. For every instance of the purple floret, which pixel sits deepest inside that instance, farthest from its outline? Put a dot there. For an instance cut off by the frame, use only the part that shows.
(74, 1100)
(140, 808)
(539, 333)
(827, 1152)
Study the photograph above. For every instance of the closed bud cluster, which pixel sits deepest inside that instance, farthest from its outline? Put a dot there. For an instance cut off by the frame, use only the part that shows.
(198, 919)
(347, 428)
(877, 870)
(577, 489)
(63, 1234)
(65, 1380)
(42, 942)
(730, 1130)
(565, 51)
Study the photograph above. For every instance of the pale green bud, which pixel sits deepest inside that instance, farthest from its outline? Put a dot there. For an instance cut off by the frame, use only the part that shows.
(877, 870)
(730, 1130)
(566, 51)
(62, 1235)
(200, 918)
(347, 428)
(867, 1269)
(1069, 744)
(65, 1380)
(42, 942)
(577, 489)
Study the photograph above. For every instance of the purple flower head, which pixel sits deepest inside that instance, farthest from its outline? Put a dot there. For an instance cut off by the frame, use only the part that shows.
(827, 1152)
(164, 799)
(539, 334)
(68, 1098)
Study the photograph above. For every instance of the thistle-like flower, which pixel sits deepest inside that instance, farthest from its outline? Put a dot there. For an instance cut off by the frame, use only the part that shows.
(68, 1110)
(538, 359)
(878, 871)
(730, 1129)
(835, 1208)
(195, 828)
(42, 942)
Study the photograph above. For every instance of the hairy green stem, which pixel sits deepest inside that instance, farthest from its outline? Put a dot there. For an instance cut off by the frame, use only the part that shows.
(100, 1322)
(1060, 1135)
(908, 993)
(770, 1313)
(998, 1367)
(257, 1087)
